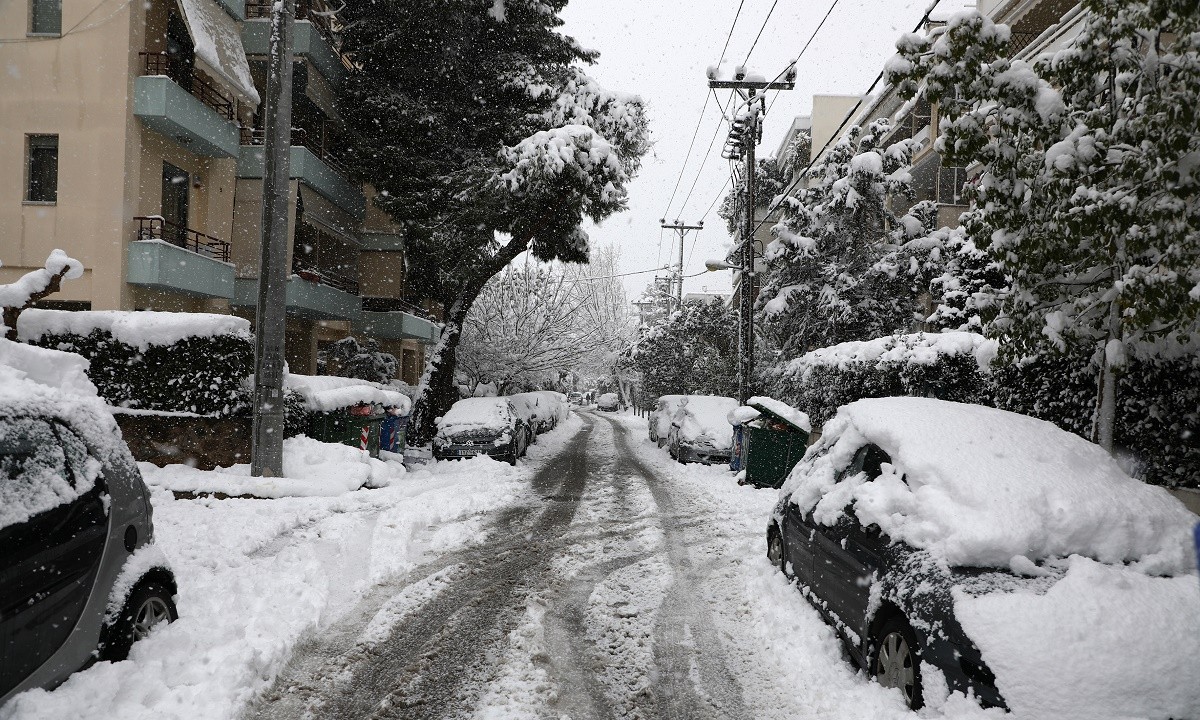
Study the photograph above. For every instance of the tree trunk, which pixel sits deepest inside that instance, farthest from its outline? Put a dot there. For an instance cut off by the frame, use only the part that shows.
(1104, 428)
(438, 389)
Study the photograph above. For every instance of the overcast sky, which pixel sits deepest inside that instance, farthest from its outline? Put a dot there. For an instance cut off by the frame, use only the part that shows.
(660, 50)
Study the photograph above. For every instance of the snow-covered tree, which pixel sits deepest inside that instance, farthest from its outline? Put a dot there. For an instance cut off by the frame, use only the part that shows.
(34, 286)
(694, 352)
(1087, 201)
(348, 358)
(834, 274)
(485, 138)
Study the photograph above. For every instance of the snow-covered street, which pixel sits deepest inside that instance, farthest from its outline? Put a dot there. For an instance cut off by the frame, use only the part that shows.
(598, 579)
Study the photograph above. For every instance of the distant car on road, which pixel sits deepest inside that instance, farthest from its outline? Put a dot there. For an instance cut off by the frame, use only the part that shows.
(80, 578)
(608, 401)
(575, 398)
(660, 417)
(700, 430)
(1013, 558)
(482, 426)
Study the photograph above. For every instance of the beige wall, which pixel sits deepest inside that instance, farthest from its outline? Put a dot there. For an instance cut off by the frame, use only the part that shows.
(246, 236)
(828, 113)
(78, 87)
(210, 204)
(381, 274)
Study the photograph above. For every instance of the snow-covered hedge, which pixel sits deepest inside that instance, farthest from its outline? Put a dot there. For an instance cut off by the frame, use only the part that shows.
(949, 366)
(1158, 408)
(179, 362)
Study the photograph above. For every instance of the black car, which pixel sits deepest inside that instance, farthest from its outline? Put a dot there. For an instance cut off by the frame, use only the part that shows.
(482, 426)
(999, 508)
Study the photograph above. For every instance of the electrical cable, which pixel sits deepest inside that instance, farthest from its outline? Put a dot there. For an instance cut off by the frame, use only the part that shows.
(760, 32)
(687, 156)
(801, 54)
(730, 34)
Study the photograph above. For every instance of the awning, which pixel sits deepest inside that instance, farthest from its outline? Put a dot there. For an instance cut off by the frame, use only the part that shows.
(218, 45)
(318, 211)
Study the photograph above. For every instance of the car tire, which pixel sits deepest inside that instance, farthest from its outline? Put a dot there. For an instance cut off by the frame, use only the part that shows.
(775, 549)
(896, 661)
(148, 605)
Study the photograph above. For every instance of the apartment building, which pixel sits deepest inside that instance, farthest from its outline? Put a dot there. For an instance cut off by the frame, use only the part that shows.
(131, 137)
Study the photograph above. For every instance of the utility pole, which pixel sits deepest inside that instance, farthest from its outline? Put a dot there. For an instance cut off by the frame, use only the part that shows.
(266, 449)
(681, 230)
(744, 136)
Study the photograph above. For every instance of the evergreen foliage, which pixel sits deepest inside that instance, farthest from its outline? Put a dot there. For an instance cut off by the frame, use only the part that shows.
(1087, 201)
(693, 353)
(347, 358)
(485, 139)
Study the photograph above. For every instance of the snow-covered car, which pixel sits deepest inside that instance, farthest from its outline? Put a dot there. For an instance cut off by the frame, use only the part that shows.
(575, 398)
(967, 549)
(660, 417)
(560, 409)
(534, 411)
(607, 401)
(80, 577)
(700, 430)
(483, 425)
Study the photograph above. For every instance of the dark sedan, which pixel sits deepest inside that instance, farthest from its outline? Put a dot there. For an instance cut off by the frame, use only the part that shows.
(482, 426)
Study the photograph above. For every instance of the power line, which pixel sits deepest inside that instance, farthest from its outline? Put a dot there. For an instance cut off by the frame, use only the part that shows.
(801, 174)
(806, 44)
(687, 156)
(760, 31)
(730, 34)
(708, 153)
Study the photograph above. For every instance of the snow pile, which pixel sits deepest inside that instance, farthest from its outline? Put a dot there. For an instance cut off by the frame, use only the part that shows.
(783, 410)
(325, 393)
(484, 413)
(705, 418)
(139, 329)
(915, 349)
(1103, 642)
(310, 468)
(44, 366)
(984, 487)
(17, 294)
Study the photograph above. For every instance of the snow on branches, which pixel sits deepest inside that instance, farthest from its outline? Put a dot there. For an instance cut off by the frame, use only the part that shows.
(33, 286)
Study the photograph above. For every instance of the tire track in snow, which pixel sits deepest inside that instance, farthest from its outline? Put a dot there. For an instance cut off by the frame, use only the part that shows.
(693, 680)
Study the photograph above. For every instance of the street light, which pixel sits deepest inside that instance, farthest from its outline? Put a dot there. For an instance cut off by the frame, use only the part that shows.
(715, 265)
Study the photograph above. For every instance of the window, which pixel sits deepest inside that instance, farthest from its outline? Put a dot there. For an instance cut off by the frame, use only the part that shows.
(45, 17)
(42, 169)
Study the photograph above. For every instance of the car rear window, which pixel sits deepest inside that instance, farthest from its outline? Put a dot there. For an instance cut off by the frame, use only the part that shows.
(33, 470)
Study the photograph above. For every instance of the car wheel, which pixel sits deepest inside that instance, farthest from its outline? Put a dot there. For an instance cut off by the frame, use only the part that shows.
(897, 662)
(149, 605)
(775, 549)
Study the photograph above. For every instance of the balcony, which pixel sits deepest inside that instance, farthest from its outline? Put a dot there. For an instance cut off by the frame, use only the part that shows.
(394, 319)
(332, 278)
(314, 35)
(309, 168)
(185, 106)
(165, 256)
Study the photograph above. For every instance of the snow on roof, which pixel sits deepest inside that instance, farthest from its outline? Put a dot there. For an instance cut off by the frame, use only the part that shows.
(325, 393)
(987, 487)
(218, 44)
(483, 413)
(783, 410)
(17, 294)
(139, 329)
(916, 349)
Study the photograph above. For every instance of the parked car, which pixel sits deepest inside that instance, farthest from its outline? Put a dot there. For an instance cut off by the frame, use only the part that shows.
(660, 417)
(80, 577)
(700, 430)
(1014, 558)
(575, 398)
(535, 412)
(560, 409)
(483, 425)
(608, 401)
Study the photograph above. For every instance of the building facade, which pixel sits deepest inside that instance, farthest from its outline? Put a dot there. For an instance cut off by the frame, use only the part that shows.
(131, 137)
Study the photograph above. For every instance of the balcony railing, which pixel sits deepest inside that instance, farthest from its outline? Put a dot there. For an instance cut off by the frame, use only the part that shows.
(331, 278)
(303, 138)
(315, 11)
(158, 228)
(201, 88)
(380, 304)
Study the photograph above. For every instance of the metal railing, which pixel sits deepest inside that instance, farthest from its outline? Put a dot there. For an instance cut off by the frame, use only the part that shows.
(303, 138)
(331, 278)
(381, 304)
(200, 87)
(158, 228)
(314, 11)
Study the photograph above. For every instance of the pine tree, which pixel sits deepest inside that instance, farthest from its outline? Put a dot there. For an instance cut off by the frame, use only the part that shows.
(1087, 202)
(485, 139)
(693, 353)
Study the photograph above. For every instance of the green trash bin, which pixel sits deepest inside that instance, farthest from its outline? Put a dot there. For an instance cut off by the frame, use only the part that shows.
(348, 427)
(774, 444)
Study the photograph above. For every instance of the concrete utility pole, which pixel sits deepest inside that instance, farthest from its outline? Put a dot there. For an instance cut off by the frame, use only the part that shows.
(681, 230)
(266, 449)
(744, 136)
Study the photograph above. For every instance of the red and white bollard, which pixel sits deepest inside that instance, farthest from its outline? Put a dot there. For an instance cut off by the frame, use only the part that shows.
(362, 437)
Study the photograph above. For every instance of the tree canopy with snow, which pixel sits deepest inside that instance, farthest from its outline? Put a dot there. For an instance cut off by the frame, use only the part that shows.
(693, 353)
(485, 139)
(1087, 199)
(834, 273)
